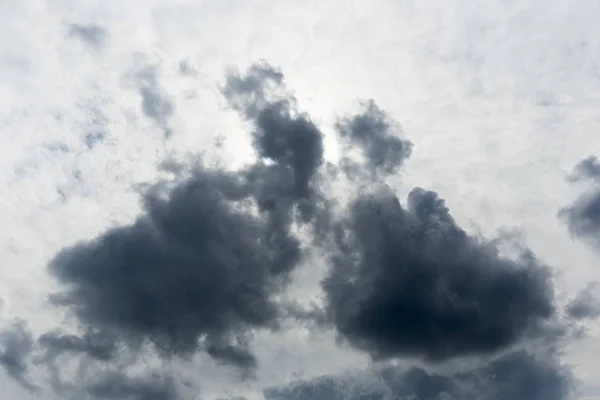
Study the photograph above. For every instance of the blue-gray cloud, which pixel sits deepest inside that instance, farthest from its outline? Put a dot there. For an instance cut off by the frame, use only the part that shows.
(199, 265)
(516, 376)
(16, 345)
(582, 217)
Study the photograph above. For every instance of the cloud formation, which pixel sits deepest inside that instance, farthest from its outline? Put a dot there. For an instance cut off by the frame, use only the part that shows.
(203, 262)
(96, 345)
(583, 216)
(516, 376)
(120, 387)
(16, 344)
(586, 304)
(408, 281)
(379, 138)
(201, 268)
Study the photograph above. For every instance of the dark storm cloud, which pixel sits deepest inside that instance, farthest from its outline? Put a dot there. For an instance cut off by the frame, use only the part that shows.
(410, 282)
(195, 264)
(16, 344)
(586, 304)
(378, 136)
(205, 259)
(517, 376)
(94, 35)
(583, 216)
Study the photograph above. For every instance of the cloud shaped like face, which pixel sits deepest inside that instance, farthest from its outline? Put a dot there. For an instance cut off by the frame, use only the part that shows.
(410, 282)
(516, 376)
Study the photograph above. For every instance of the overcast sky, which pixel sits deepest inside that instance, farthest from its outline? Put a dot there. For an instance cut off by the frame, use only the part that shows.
(299, 199)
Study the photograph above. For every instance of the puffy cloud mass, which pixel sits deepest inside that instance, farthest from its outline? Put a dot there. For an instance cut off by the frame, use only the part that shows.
(202, 266)
(410, 282)
(378, 136)
(209, 253)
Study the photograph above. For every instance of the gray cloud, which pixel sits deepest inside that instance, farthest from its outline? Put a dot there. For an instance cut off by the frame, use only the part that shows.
(588, 168)
(586, 304)
(379, 138)
(249, 94)
(516, 376)
(93, 35)
(199, 265)
(20, 354)
(583, 216)
(96, 345)
(287, 139)
(282, 135)
(156, 103)
(233, 355)
(16, 344)
(410, 282)
(121, 387)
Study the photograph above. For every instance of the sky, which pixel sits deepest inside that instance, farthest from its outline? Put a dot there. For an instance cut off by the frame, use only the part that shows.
(299, 200)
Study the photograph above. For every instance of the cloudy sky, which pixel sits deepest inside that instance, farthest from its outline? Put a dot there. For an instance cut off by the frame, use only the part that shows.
(299, 200)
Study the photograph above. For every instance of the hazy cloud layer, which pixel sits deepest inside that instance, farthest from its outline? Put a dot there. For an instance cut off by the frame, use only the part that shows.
(93, 35)
(517, 376)
(119, 387)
